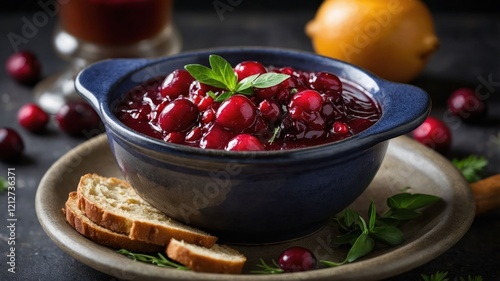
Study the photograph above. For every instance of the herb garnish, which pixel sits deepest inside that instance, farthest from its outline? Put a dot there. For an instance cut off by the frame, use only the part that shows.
(3, 184)
(442, 276)
(160, 261)
(222, 75)
(471, 167)
(362, 235)
(268, 269)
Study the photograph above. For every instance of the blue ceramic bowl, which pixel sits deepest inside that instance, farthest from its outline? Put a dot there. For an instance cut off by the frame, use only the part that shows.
(250, 197)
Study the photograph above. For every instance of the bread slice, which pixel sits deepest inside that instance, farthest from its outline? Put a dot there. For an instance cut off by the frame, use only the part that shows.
(217, 259)
(112, 203)
(77, 219)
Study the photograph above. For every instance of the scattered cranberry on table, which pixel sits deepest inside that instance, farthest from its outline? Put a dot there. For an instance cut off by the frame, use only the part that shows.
(296, 259)
(305, 109)
(435, 134)
(33, 118)
(465, 104)
(75, 117)
(11, 144)
(24, 67)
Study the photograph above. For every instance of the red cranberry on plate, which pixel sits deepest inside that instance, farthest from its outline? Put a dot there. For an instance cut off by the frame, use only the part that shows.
(75, 117)
(33, 118)
(465, 104)
(296, 259)
(435, 134)
(11, 144)
(24, 67)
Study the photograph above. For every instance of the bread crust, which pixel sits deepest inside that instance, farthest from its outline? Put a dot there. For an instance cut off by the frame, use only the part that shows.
(201, 262)
(76, 218)
(136, 229)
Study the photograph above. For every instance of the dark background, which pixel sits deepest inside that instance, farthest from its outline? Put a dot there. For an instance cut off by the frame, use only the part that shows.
(483, 6)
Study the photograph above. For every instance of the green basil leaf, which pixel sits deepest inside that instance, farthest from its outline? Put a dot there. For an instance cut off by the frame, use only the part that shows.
(331, 263)
(3, 184)
(205, 75)
(269, 79)
(411, 201)
(224, 70)
(348, 238)
(388, 222)
(361, 247)
(372, 213)
(402, 214)
(347, 219)
(389, 235)
(223, 96)
(246, 84)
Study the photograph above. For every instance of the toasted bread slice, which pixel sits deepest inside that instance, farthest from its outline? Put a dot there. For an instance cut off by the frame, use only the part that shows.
(112, 203)
(77, 219)
(217, 259)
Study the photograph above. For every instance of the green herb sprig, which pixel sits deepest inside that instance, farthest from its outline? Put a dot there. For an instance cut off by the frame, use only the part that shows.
(3, 184)
(442, 276)
(363, 235)
(160, 260)
(471, 167)
(268, 269)
(222, 75)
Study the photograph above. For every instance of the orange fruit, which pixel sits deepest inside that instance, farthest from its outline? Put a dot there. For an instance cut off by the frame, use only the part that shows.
(391, 38)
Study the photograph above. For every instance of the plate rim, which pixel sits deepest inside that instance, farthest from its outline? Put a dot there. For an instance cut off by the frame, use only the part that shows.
(128, 268)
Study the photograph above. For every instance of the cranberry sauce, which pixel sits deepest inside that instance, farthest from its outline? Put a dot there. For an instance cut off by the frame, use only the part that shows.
(307, 109)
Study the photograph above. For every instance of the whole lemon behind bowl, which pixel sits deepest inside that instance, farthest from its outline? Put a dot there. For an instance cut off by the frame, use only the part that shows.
(393, 39)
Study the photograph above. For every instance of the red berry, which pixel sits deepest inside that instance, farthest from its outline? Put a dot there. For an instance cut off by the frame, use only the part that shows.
(249, 68)
(244, 142)
(325, 82)
(215, 138)
(11, 144)
(340, 128)
(176, 84)
(236, 113)
(434, 134)
(194, 135)
(177, 116)
(74, 118)
(270, 110)
(31, 117)
(24, 67)
(466, 104)
(174, 137)
(296, 259)
(308, 101)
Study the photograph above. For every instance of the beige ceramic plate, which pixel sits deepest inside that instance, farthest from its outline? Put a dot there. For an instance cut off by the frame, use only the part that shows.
(407, 164)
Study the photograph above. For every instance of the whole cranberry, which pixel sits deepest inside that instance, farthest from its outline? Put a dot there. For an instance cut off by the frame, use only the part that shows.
(270, 110)
(11, 144)
(244, 142)
(75, 117)
(31, 117)
(325, 82)
(296, 259)
(179, 115)
(215, 138)
(249, 68)
(308, 101)
(236, 113)
(435, 134)
(176, 83)
(340, 128)
(24, 67)
(466, 104)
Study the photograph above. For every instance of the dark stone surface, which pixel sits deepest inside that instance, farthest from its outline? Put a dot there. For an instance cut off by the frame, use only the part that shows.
(468, 56)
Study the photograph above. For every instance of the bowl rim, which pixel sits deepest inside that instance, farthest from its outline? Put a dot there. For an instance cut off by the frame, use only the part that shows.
(358, 142)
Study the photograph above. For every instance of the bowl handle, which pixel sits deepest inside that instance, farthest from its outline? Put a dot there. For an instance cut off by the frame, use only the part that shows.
(404, 108)
(96, 80)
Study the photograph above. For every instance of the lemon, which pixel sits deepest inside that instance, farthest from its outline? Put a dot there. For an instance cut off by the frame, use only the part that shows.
(392, 38)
